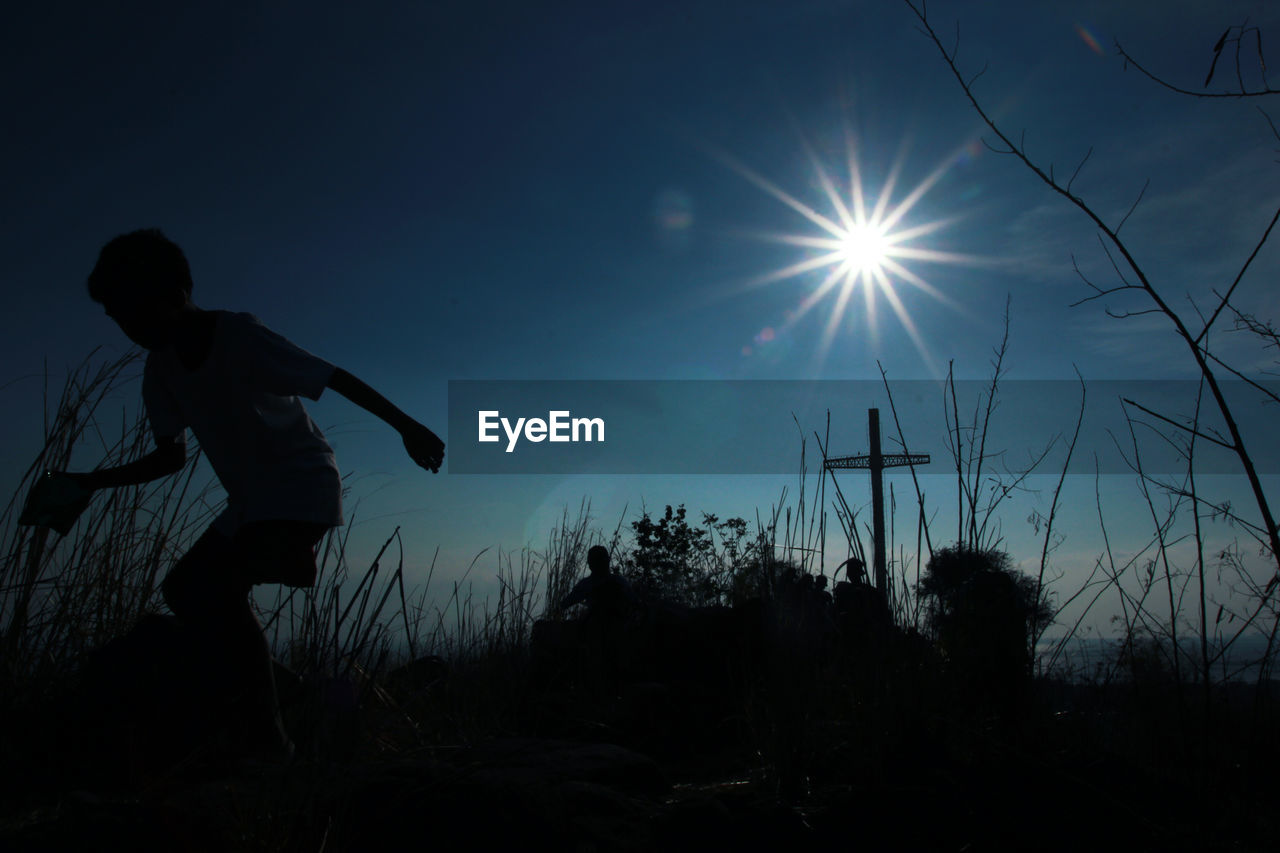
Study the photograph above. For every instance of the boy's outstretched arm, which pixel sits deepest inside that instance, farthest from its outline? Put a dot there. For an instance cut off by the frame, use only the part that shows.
(423, 445)
(168, 458)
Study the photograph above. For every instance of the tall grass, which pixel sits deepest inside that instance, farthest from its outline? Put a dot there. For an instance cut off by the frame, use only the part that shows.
(62, 595)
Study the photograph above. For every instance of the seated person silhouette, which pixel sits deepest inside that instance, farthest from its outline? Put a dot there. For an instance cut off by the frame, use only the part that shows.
(602, 590)
(609, 601)
(235, 384)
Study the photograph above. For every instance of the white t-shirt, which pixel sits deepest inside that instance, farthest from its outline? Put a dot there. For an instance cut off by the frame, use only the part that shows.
(242, 405)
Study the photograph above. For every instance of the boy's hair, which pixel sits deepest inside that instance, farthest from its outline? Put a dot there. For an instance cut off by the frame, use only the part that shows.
(144, 262)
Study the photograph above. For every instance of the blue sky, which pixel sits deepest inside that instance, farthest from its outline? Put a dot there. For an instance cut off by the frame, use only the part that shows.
(430, 192)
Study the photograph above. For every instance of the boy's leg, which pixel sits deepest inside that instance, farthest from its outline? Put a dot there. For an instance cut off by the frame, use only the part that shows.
(208, 590)
(273, 552)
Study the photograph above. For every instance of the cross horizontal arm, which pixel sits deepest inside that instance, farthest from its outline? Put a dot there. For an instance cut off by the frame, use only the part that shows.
(889, 460)
(893, 460)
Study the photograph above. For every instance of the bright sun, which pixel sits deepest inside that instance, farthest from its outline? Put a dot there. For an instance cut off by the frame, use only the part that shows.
(864, 249)
(860, 246)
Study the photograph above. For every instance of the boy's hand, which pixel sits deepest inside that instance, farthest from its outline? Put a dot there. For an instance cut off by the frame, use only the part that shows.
(424, 446)
(56, 501)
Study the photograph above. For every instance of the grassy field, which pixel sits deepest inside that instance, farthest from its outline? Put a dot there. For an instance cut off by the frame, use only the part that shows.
(431, 717)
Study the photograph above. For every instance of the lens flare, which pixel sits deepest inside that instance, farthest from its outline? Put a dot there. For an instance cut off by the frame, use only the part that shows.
(1090, 40)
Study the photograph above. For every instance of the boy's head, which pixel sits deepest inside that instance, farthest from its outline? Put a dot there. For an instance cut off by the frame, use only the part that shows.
(142, 280)
(598, 559)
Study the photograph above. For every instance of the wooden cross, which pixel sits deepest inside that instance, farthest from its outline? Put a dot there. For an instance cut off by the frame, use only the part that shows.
(877, 462)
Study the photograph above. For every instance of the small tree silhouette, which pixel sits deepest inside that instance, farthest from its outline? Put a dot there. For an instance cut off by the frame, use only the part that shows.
(982, 613)
(681, 563)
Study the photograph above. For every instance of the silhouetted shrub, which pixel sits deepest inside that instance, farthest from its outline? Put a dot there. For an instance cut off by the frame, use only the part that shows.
(981, 612)
(683, 564)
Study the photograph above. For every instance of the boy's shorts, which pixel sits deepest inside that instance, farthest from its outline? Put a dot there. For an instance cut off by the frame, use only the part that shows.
(275, 551)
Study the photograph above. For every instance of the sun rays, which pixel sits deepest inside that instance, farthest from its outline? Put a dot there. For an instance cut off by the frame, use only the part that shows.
(858, 249)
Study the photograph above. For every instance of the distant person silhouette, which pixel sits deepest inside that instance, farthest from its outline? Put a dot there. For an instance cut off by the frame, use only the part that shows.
(602, 590)
(610, 602)
(235, 384)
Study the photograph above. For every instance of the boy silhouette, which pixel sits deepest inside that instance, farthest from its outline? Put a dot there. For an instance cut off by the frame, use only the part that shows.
(235, 384)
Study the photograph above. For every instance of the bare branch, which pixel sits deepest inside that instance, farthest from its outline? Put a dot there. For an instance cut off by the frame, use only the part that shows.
(1172, 422)
(1079, 274)
(1274, 132)
(1135, 464)
(1268, 333)
(1243, 93)
(1040, 173)
(1125, 315)
(1037, 629)
(1134, 206)
(1093, 296)
(1006, 150)
(1195, 306)
(1224, 509)
(1217, 53)
(975, 77)
(1101, 291)
(1262, 59)
(1110, 257)
(1226, 298)
(1078, 168)
(1264, 390)
(1237, 40)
